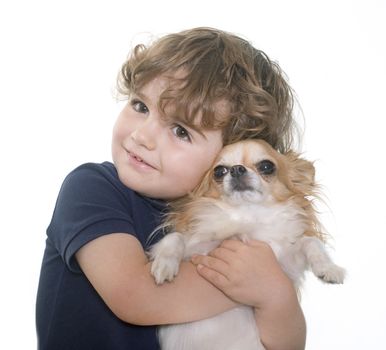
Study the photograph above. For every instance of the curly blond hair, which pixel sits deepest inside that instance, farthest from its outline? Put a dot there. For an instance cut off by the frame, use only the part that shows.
(216, 66)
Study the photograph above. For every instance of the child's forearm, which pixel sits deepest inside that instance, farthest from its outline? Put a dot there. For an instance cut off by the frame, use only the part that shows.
(188, 298)
(281, 324)
(119, 270)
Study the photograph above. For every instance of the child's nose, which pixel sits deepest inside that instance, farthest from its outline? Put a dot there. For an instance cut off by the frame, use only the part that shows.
(146, 133)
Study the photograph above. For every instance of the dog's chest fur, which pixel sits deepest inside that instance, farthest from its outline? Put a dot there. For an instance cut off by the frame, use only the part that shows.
(281, 225)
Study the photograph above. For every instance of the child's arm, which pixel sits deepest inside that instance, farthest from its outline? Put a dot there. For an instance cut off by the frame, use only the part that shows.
(251, 274)
(118, 268)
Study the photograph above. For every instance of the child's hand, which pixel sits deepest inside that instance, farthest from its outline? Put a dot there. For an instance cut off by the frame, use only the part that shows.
(248, 273)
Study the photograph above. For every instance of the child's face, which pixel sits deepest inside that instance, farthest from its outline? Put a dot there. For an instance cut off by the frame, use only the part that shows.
(155, 157)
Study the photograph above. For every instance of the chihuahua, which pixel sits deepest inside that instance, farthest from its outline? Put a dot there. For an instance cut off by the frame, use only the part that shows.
(251, 192)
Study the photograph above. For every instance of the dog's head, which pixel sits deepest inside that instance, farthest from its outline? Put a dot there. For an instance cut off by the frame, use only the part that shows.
(253, 171)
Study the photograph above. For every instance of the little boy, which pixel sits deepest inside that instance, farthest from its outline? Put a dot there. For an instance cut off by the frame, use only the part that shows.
(189, 94)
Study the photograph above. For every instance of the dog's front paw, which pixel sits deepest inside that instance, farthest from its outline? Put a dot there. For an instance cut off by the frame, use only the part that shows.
(167, 255)
(165, 268)
(330, 273)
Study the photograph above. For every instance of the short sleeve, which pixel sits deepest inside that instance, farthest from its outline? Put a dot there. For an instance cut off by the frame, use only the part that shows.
(91, 203)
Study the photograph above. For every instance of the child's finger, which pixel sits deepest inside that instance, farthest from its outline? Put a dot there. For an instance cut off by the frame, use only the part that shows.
(235, 245)
(212, 276)
(259, 244)
(232, 244)
(212, 263)
(223, 254)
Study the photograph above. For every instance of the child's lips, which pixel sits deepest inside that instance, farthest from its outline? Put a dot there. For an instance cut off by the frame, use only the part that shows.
(137, 160)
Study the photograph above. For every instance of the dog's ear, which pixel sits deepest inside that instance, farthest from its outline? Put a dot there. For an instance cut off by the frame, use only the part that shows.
(301, 172)
(207, 187)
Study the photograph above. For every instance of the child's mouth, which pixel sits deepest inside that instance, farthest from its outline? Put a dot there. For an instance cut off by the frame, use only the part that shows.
(137, 158)
(139, 161)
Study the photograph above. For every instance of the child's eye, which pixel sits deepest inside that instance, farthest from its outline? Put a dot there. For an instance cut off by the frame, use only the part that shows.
(139, 106)
(181, 133)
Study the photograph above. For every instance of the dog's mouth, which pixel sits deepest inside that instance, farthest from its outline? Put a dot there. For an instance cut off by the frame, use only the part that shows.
(240, 185)
(243, 187)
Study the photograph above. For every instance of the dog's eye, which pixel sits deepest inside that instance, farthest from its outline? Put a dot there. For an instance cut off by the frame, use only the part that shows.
(266, 167)
(219, 172)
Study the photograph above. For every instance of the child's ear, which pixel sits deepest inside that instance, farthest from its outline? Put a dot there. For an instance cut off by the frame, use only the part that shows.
(301, 172)
(207, 187)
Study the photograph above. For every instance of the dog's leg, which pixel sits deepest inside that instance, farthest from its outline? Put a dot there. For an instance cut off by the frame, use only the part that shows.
(167, 255)
(320, 262)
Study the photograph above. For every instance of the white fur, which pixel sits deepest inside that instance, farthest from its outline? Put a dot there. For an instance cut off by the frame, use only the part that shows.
(233, 330)
(280, 225)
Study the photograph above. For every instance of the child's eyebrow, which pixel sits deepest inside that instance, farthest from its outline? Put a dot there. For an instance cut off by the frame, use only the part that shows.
(198, 131)
(141, 96)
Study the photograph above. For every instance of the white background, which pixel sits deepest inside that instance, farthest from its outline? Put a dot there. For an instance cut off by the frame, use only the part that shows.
(59, 60)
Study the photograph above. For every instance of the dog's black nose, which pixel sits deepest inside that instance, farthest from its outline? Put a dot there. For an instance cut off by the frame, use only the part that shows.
(237, 170)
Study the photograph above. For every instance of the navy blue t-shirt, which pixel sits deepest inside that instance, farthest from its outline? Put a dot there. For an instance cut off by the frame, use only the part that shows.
(69, 313)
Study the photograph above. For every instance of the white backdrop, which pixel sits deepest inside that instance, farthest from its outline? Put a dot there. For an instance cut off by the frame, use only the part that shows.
(59, 60)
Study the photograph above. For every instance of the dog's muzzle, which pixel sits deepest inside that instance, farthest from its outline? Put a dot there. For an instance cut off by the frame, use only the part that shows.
(239, 178)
